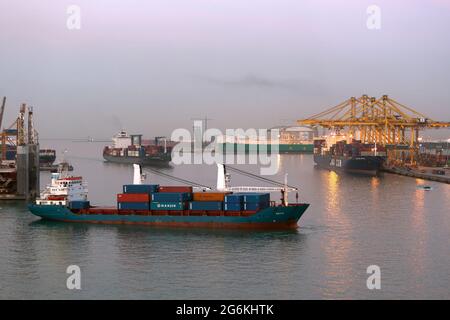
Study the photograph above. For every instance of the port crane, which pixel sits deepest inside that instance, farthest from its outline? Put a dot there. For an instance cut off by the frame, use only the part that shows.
(380, 121)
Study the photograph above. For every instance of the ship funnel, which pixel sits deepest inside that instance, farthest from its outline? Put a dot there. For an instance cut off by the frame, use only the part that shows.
(137, 176)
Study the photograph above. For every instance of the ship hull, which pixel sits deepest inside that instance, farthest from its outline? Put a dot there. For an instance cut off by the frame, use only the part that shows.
(365, 165)
(277, 217)
(145, 161)
(254, 148)
(45, 160)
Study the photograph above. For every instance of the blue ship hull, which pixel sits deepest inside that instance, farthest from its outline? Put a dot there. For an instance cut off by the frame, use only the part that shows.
(276, 217)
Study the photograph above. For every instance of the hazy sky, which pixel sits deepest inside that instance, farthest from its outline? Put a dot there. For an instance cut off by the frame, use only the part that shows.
(150, 66)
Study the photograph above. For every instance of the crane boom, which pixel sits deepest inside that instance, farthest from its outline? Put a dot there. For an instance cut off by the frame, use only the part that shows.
(2, 111)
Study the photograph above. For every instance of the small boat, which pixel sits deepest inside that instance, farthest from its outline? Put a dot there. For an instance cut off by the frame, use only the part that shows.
(426, 188)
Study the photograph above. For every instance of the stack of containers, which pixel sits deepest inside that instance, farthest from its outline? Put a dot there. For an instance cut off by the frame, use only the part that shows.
(136, 196)
(171, 198)
(256, 201)
(211, 201)
(234, 202)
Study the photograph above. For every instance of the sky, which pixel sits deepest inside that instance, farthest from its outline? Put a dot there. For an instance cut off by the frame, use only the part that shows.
(151, 66)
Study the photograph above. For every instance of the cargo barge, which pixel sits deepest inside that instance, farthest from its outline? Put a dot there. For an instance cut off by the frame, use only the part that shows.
(65, 199)
(129, 149)
(354, 157)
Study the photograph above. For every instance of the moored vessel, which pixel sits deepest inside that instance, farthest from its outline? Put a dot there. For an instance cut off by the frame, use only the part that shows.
(337, 154)
(46, 157)
(295, 140)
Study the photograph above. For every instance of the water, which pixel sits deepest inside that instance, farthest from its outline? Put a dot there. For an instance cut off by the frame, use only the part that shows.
(353, 222)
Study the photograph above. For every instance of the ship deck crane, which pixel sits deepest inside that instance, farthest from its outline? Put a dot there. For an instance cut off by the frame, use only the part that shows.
(382, 121)
(224, 181)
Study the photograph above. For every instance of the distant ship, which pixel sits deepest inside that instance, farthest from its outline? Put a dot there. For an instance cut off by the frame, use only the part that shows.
(353, 157)
(47, 157)
(130, 149)
(296, 139)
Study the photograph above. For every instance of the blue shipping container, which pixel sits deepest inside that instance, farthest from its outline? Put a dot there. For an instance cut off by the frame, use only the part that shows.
(233, 206)
(140, 188)
(257, 197)
(206, 205)
(171, 196)
(133, 206)
(234, 198)
(79, 204)
(168, 205)
(251, 206)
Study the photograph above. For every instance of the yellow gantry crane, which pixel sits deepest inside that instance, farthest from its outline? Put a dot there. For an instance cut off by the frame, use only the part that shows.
(383, 121)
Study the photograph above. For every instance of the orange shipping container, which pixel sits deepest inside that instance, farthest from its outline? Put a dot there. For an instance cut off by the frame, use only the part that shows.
(209, 196)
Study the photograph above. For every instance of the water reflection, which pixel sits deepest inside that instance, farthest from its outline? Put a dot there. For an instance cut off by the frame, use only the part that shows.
(337, 270)
(333, 196)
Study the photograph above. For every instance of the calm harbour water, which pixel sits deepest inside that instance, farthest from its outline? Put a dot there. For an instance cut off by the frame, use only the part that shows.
(353, 222)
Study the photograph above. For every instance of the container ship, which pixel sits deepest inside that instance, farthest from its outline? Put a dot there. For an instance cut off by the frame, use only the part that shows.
(354, 157)
(65, 199)
(46, 157)
(297, 139)
(131, 149)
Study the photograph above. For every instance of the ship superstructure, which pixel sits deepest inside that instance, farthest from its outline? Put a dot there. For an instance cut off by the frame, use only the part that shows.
(63, 190)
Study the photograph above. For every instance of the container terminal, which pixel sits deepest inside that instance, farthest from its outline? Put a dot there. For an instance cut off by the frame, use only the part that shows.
(19, 156)
(369, 135)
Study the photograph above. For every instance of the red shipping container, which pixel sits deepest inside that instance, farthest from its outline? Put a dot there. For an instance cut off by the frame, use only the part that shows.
(133, 197)
(175, 189)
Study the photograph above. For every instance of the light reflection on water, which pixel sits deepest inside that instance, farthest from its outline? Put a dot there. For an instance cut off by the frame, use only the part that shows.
(353, 222)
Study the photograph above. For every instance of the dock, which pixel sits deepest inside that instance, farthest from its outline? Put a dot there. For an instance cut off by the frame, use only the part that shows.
(416, 173)
(19, 157)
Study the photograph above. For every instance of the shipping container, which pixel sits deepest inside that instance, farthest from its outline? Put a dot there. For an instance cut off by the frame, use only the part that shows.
(206, 205)
(255, 205)
(173, 189)
(256, 197)
(234, 198)
(133, 197)
(140, 188)
(171, 196)
(79, 204)
(133, 206)
(233, 206)
(209, 196)
(167, 205)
